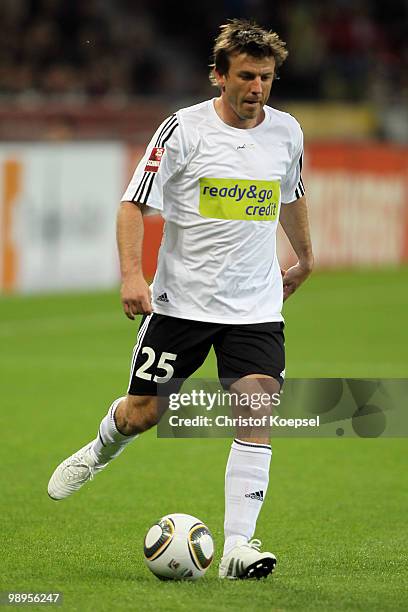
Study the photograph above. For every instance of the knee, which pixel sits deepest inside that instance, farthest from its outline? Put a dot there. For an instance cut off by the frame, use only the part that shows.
(257, 395)
(136, 413)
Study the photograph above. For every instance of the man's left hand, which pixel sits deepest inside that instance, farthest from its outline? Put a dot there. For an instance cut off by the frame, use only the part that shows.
(293, 278)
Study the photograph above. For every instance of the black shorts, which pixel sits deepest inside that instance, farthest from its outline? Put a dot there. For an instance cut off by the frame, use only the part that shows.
(169, 348)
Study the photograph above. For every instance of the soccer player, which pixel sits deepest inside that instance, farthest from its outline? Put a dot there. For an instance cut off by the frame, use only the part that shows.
(222, 173)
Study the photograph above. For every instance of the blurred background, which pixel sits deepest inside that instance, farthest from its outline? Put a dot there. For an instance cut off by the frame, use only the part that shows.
(84, 84)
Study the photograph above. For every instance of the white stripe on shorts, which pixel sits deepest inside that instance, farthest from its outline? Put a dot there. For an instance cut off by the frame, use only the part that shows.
(136, 349)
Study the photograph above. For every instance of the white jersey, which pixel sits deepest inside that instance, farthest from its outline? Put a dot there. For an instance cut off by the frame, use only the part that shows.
(219, 190)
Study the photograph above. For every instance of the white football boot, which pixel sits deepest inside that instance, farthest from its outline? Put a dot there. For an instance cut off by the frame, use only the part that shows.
(247, 561)
(72, 473)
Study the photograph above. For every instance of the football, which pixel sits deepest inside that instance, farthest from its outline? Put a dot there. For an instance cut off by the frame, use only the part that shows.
(178, 547)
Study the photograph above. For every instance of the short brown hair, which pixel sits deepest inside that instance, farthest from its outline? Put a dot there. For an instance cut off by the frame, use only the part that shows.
(244, 36)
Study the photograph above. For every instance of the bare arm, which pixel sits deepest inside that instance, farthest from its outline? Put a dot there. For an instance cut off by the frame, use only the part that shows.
(135, 292)
(295, 223)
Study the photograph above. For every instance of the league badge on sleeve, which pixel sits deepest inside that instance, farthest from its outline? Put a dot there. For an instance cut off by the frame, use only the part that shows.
(153, 163)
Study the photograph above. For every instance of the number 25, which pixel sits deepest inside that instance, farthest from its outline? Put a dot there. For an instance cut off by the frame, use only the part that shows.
(163, 365)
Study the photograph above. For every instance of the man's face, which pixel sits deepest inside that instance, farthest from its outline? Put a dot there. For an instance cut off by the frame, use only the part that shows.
(246, 87)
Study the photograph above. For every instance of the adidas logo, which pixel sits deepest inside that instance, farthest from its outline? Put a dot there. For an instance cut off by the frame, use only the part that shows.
(257, 495)
(163, 298)
(239, 568)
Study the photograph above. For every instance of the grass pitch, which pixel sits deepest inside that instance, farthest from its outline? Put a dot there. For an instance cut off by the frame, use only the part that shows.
(335, 513)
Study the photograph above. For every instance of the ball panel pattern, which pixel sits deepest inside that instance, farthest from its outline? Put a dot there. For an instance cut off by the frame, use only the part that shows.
(196, 537)
(167, 532)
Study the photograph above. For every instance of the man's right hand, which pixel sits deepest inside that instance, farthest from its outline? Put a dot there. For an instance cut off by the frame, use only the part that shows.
(136, 297)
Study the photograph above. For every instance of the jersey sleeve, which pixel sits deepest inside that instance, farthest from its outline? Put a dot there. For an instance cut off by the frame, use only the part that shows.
(162, 159)
(292, 187)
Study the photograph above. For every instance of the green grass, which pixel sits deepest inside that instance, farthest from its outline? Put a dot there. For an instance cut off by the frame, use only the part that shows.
(335, 514)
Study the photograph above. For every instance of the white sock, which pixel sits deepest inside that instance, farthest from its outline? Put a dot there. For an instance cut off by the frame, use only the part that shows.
(246, 483)
(109, 442)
